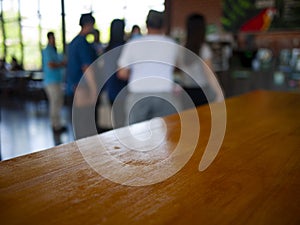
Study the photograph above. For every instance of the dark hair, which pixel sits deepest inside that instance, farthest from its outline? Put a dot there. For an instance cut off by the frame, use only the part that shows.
(116, 34)
(50, 34)
(196, 26)
(135, 27)
(155, 19)
(96, 31)
(86, 18)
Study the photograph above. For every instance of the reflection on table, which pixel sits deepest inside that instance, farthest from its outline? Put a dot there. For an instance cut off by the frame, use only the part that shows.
(254, 179)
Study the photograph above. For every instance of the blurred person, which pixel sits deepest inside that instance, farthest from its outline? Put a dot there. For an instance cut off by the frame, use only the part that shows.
(81, 54)
(3, 67)
(114, 84)
(98, 48)
(80, 57)
(53, 80)
(135, 32)
(14, 65)
(198, 77)
(97, 45)
(147, 63)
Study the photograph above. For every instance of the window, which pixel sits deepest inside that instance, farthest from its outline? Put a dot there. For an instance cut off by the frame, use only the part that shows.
(24, 23)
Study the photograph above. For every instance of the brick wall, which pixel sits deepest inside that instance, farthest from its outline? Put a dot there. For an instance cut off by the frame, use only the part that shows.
(180, 9)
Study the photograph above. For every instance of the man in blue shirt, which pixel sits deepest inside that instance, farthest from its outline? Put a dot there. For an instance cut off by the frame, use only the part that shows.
(53, 78)
(80, 57)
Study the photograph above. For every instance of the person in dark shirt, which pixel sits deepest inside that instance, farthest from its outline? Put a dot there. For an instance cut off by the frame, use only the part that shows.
(115, 85)
(80, 54)
(81, 78)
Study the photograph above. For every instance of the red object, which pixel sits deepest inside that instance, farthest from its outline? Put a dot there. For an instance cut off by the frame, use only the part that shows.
(260, 22)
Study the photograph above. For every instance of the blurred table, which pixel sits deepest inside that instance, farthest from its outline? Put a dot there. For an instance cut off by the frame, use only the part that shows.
(255, 178)
(21, 82)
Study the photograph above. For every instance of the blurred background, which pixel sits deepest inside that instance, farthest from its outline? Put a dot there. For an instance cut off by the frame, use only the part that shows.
(255, 44)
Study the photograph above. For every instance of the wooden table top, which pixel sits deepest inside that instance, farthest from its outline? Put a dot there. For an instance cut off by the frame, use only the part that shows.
(254, 179)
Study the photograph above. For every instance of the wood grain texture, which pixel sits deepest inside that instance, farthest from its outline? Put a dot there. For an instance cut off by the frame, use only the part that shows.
(255, 178)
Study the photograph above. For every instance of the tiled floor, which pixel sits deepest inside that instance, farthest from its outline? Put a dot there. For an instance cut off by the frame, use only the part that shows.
(25, 127)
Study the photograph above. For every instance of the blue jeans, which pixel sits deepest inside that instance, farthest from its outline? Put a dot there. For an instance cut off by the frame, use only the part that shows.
(145, 106)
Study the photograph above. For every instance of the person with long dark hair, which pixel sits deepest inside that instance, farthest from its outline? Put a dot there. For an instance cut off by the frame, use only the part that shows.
(135, 32)
(115, 85)
(199, 79)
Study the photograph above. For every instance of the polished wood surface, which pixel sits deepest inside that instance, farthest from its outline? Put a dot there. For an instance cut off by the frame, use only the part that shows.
(255, 178)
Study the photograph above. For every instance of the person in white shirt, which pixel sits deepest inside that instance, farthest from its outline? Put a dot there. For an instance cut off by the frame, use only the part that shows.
(148, 64)
(197, 78)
